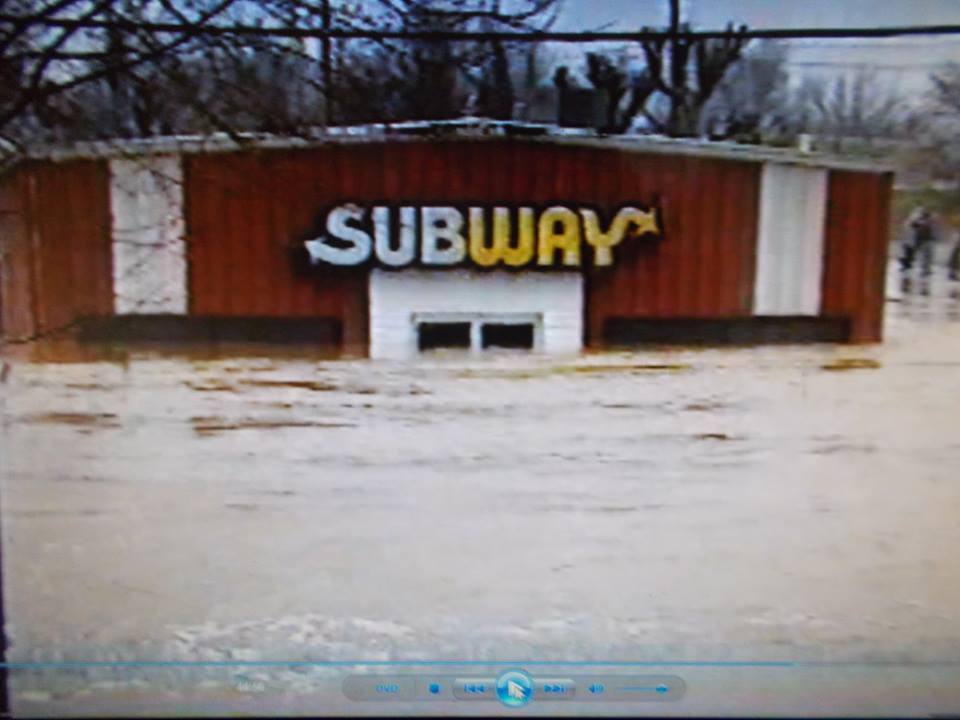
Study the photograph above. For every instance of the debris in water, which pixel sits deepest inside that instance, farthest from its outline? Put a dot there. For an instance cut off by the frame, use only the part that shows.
(210, 386)
(633, 367)
(100, 420)
(504, 374)
(851, 364)
(210, 425)
(528, 374)
(705, 406)
(315, 385)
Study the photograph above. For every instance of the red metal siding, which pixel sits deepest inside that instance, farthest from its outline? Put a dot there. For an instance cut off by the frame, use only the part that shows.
(61, 267)
(16, 278)
(704, 265)
(71, 217)
(855, 252)
(246, 214)
(246, 210)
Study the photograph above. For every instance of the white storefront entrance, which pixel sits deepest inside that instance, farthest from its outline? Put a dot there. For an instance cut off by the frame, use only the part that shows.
(416, 310)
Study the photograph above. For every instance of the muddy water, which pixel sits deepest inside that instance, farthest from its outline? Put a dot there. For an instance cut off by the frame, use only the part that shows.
(774, 503)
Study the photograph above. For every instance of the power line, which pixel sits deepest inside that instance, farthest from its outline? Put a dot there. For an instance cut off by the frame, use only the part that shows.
(882, 42)
(907, 67)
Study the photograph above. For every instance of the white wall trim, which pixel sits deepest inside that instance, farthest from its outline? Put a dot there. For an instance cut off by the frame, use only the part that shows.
(148, 245)
(399, 298)
(790, 241)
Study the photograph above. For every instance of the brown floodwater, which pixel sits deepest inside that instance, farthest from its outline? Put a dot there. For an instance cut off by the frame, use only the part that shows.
(789, 502)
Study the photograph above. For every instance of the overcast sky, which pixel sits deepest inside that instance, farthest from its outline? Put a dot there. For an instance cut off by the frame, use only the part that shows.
(628, 14)
(903, 63)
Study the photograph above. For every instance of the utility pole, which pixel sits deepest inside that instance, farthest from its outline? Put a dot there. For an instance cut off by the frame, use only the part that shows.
(326, 61)
(674, 69)
(4, 445)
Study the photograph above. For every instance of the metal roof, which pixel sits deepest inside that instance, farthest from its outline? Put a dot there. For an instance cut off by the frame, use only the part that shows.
(468, 128)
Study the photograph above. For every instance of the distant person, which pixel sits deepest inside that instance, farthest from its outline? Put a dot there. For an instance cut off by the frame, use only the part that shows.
(921, 241)
(953, 264)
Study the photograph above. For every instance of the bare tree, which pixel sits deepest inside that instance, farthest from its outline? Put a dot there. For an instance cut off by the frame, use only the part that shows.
(946, 89)
(441, 74)
(616, 83)
(687, 71)
(80, 69)
(852, 109)
(750, 102)
(939, 152)
(90, 68)
(681, 72)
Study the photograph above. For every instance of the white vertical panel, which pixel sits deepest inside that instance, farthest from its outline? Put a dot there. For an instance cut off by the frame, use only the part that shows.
(149, 253)
(791, 237)
(894, 282)
(396, 297)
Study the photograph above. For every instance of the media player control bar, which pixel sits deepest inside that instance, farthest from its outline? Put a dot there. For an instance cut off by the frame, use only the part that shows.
(579, 688)
(631, 688)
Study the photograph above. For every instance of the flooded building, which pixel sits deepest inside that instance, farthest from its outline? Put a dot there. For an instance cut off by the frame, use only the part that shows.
(392, 240)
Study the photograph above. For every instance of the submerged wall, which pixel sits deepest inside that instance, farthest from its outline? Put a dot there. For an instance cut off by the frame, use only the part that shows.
(56, 246)
(220, 236)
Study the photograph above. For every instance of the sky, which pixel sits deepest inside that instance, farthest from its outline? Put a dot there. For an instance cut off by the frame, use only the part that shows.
(903, 64)
(628, 14)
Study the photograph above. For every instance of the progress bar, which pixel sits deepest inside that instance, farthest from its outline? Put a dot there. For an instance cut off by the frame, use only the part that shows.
(71, 664)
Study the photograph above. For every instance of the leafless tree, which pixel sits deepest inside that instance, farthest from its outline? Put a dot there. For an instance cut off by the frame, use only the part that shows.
(750, 102)
(686, 71)
(441, 74)
(852, 109)
(680, 76)
(79, 69)
(936, 152)
(613, 79)
(946, 89)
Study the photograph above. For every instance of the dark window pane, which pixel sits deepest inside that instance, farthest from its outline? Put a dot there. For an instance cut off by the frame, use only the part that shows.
(507, 336)
(434, 335)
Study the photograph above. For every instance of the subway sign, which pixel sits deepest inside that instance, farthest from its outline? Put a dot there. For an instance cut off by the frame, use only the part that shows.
(558, 236)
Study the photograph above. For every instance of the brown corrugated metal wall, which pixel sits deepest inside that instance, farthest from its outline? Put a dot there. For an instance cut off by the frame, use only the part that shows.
(855, 251)
(245, 210)
(56, 228)
(16, 289)
(704, 266)
(247, 215)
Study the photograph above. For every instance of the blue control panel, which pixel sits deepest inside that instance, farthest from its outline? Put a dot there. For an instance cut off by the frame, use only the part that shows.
(514, 687)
